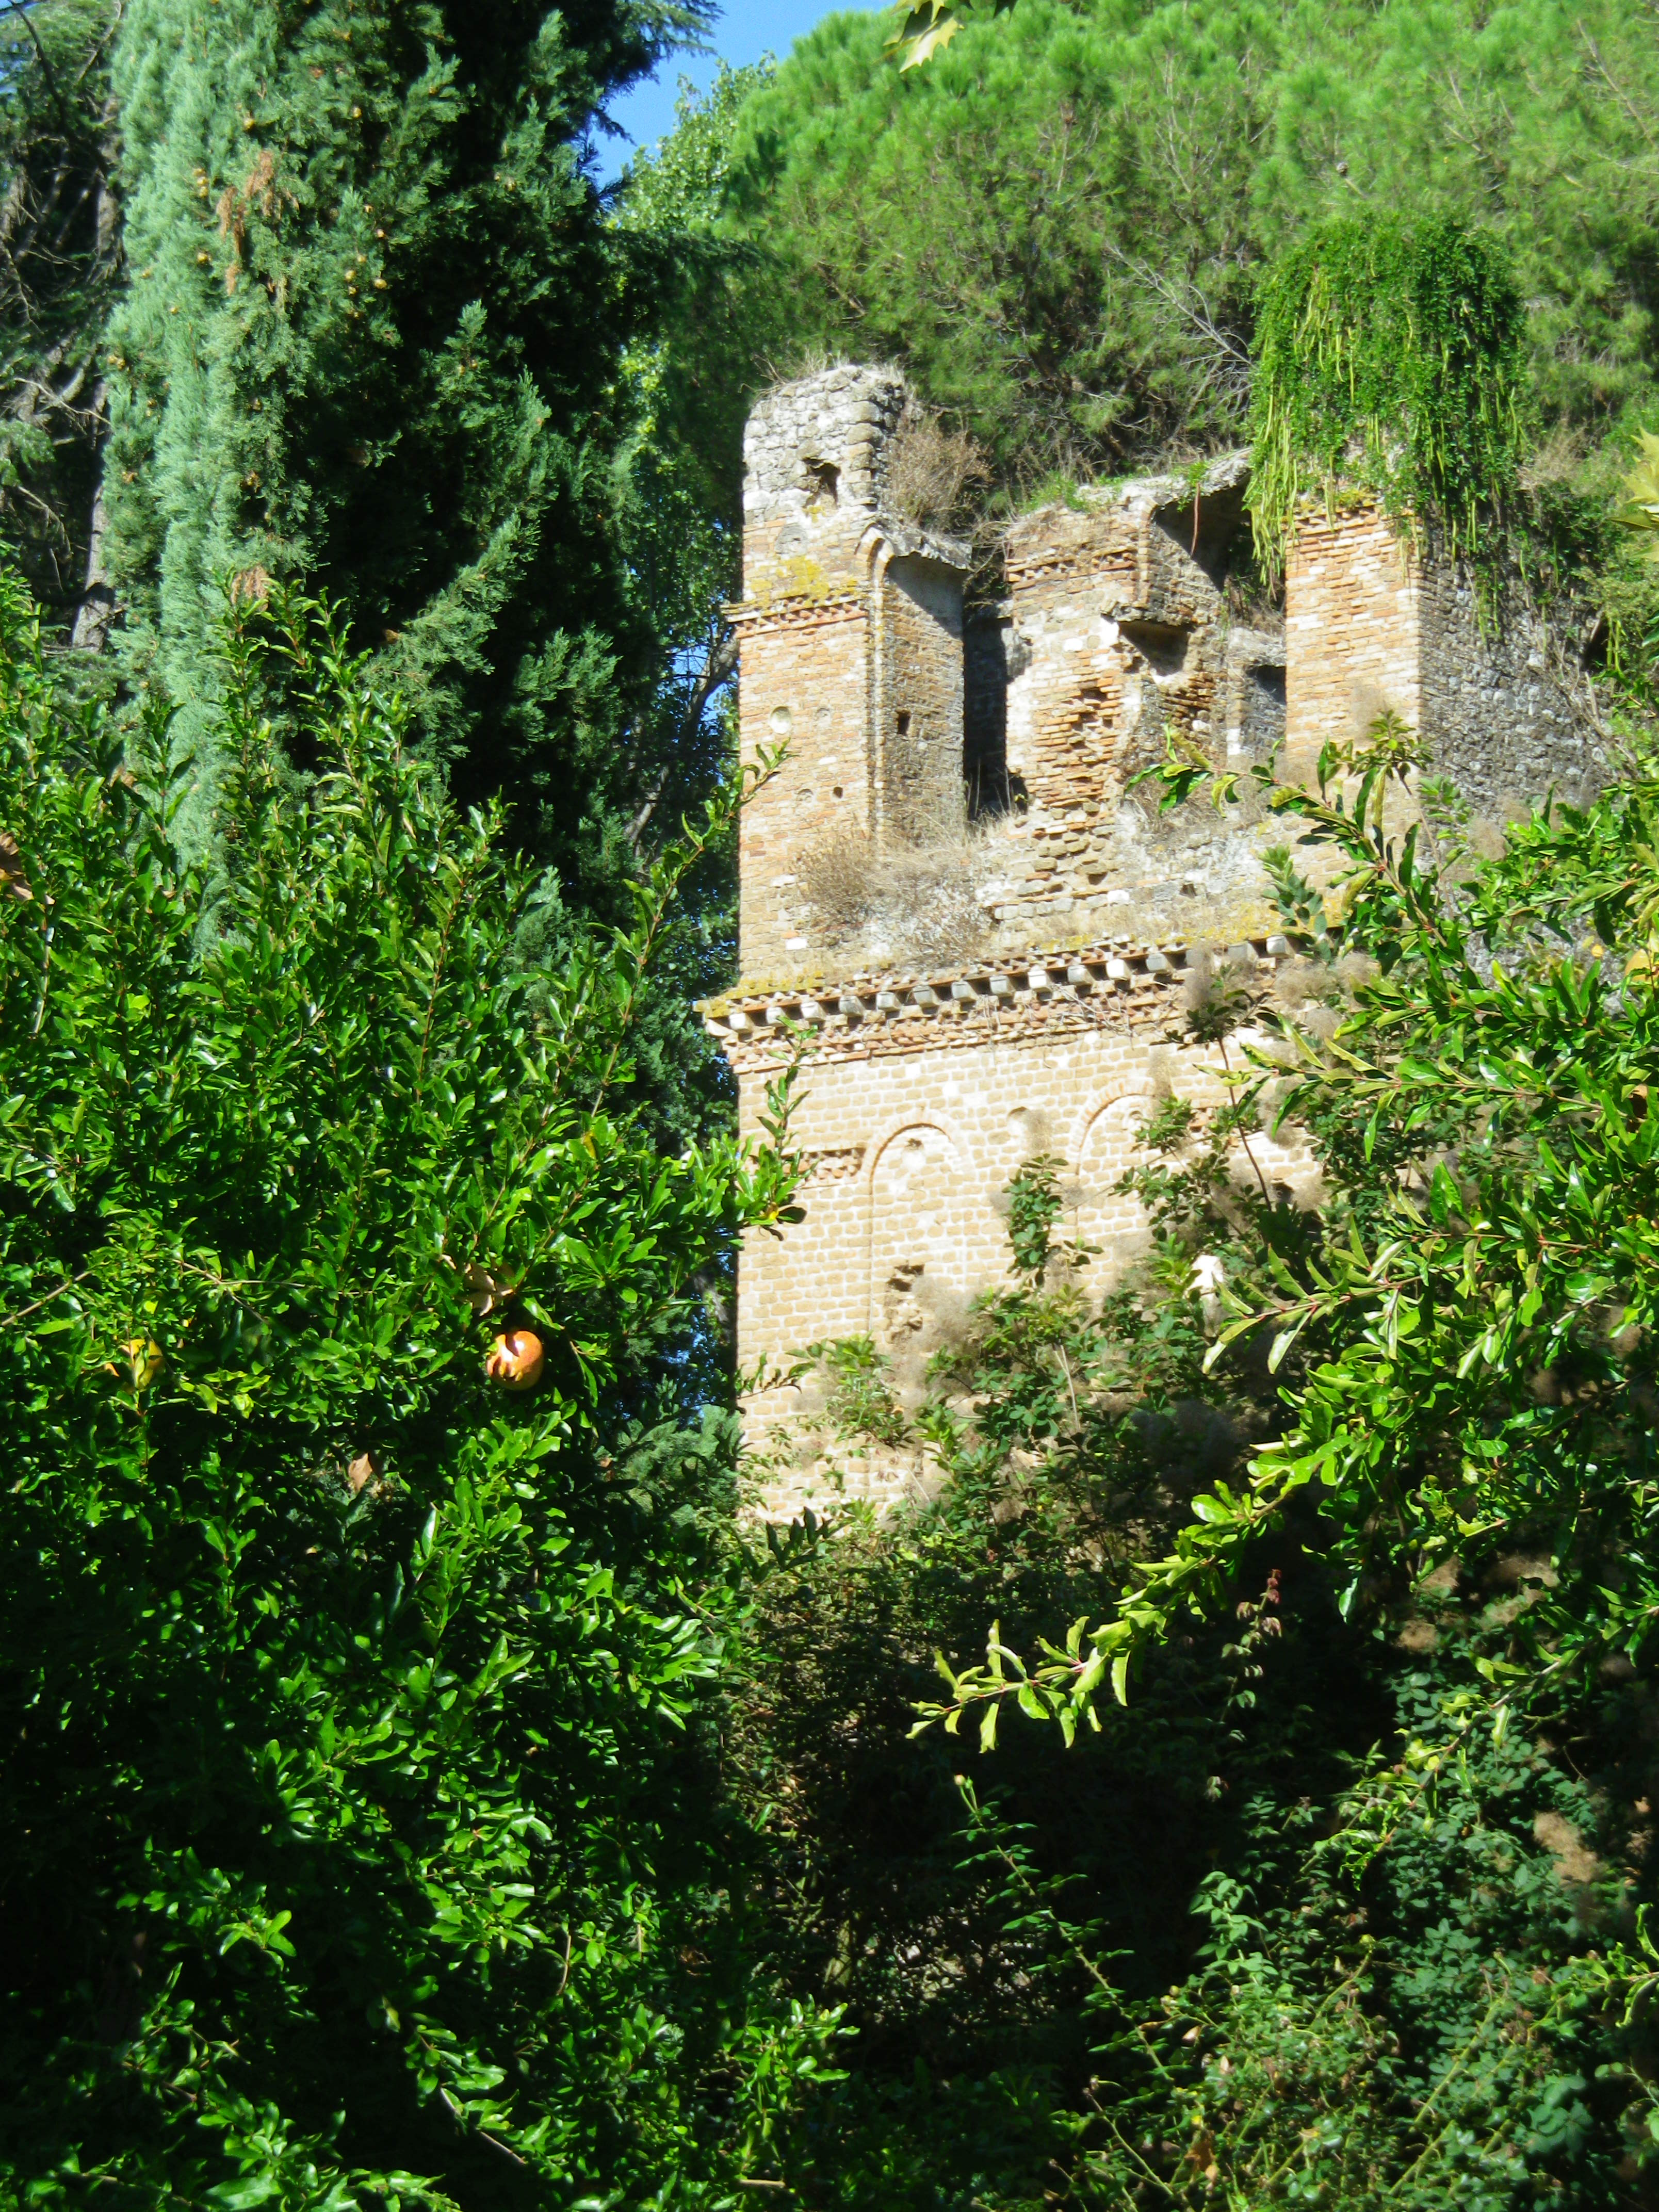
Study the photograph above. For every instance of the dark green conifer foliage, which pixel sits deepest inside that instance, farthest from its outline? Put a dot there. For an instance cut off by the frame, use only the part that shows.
(372, 338)
(690, 380)
(1056, 223)
(990, 220)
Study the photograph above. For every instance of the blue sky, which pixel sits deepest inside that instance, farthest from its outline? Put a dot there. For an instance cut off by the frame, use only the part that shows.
(746, 30)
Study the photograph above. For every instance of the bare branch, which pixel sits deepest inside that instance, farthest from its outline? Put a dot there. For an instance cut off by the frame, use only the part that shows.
(717, 670)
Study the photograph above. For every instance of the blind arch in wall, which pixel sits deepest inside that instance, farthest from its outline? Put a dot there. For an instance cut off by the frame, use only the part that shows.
(1103, 1148)
(919, 1197)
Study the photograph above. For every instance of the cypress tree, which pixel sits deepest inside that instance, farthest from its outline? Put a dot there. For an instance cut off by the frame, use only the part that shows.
(371, 338)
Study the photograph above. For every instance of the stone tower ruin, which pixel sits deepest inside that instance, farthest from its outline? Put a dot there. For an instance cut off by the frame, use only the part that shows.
(954, 883)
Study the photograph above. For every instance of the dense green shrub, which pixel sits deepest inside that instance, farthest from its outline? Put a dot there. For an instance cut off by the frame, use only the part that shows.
(1294, 1927)
(361, 1821)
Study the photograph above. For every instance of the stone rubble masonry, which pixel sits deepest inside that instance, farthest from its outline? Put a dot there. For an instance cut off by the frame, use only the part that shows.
(1506, 702)
(850, 629)
(1109, 639)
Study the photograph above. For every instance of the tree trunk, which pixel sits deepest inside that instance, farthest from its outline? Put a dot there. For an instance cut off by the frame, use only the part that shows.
(96, 611)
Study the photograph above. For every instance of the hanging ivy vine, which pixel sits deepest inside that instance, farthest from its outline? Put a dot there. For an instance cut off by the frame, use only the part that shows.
(1389, 357)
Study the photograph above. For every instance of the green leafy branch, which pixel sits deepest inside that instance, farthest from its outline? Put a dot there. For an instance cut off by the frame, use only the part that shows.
(926, 27)
(1517, 1239)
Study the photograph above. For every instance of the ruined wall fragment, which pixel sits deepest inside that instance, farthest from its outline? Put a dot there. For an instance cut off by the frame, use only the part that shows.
(850, 630)
(979, 771)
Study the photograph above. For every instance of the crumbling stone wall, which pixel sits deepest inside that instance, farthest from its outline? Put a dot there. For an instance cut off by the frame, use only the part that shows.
(1506, 698)
(850, 632)
(1116, 638)
(1112, 638)
(1498, 695)
(813, 459)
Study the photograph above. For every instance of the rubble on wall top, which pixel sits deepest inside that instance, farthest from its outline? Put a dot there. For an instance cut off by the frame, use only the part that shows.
(1167, 529)
(911, 538)
(1144, 495)
(843, 419)
(830, 383)
(1230, 473)
(1115, 968)
(839, 409)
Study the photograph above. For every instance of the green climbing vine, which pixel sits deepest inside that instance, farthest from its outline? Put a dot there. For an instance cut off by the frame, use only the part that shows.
(1389, 356)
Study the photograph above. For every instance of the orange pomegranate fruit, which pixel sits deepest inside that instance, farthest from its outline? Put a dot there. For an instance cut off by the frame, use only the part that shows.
(516, 1359)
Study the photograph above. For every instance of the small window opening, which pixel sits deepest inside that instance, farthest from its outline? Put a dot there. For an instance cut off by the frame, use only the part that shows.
(1164, 645)
(822, 484)
(903, 725)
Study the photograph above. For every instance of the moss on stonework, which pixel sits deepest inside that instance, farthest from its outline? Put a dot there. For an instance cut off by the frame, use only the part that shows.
(1389, 356)
(772, 985)
(797, 577)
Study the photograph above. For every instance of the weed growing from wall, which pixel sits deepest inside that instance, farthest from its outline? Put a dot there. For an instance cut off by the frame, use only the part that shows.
(1389, 356)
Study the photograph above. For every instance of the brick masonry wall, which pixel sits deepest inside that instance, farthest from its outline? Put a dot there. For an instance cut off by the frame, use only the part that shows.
(918, 705)
(804, 683)
(1500, 698)
(850, 632)
(1352, 632)
(915, 1152)
(906, 1212)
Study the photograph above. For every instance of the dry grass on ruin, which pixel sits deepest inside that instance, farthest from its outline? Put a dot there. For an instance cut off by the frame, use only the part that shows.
(903, 905)
(934, 476)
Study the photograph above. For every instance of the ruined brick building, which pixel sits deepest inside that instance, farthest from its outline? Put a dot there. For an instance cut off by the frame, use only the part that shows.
(954, 883)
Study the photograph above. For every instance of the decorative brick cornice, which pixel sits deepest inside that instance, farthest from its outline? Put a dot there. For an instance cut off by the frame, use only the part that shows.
(1027, 996)
(795, 610)
(1062, 564)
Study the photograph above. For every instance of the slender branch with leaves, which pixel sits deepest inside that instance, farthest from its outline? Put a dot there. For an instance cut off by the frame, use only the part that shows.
(1463, 1332)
